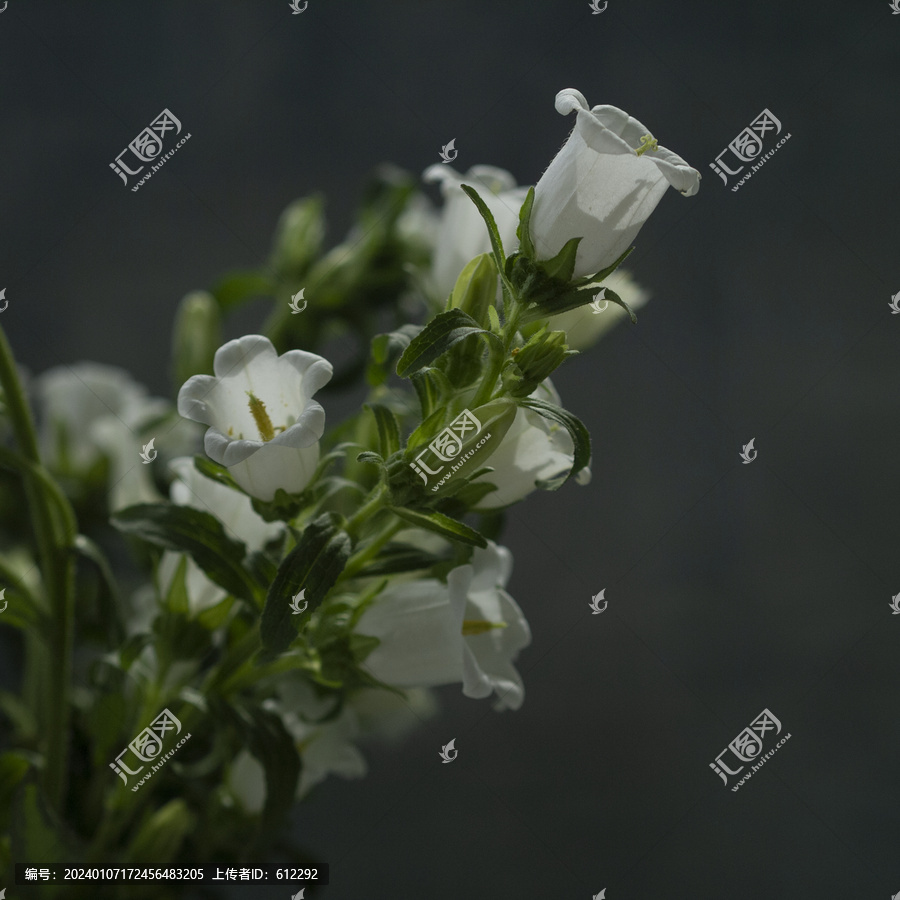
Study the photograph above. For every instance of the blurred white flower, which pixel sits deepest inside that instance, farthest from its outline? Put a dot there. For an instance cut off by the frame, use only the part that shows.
(264, 425)
(600, 187)
(462, 234)
(534, 449)
(92, 411)
(467, 630)
(584, 327)
(232, 509)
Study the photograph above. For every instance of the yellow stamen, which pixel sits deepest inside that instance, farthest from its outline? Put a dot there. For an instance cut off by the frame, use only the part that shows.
(261, 417)
(648, 142)
(479, 626)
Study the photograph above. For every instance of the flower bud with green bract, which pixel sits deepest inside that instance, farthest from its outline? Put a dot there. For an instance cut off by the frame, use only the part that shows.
(196, 336)
(542, 354)
(298, 239)
(476, 288)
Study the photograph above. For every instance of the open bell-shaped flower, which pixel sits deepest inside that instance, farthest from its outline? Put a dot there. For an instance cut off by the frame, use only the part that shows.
(264, 425)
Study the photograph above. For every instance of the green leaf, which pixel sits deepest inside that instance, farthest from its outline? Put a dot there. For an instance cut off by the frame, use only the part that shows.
(431, 387)
(386, 350)
(579, 434)
(161, 834)
(562, 265)
(438, 336)
(109, 594)
(523, 232)
(494, 317)
(399, 558)
(197, 533)
(271, 743)
(442, 525)
(314, 565)
(205, 466)
(491, 223)
(476, 288)
(237, 288)
(104, 720)
(14, 766)
(176, 599)
(388, 429)
(36, 831)
(612, 295)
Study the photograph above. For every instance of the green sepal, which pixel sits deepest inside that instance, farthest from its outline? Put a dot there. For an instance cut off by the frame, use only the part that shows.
(561, 266)
(490, 222)
(523, 232)
(577, 431)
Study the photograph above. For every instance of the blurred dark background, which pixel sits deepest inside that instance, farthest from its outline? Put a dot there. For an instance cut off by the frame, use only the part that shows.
(731, 587)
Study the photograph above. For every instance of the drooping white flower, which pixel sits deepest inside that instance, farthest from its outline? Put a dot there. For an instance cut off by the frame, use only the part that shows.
(602, 185)
(467, 630)
(585, 325)
(232, 509)
(264, 425)
(534, 449)
(462, 234)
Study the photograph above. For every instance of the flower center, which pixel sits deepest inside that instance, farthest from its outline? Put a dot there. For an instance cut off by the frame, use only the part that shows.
(648, 142)
(479, 626)
(261, 417)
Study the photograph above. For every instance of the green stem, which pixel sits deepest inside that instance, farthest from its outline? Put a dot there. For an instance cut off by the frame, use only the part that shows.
(375, 502)
(358, 560)
(58, 567)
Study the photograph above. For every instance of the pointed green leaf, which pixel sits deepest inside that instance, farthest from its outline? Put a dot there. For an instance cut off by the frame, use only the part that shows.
(438, 336)
(523, 232)
(605, 273)
(562, 265)
(197, 533)
(313, 566)
(388, 429)
(442, 525)
(491, 223)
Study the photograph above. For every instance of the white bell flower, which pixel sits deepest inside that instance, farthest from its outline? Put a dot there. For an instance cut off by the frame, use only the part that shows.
(602, 185)
(468, 630)
(264, 425)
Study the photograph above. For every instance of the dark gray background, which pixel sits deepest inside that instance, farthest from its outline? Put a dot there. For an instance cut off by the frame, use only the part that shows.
(731, 588)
